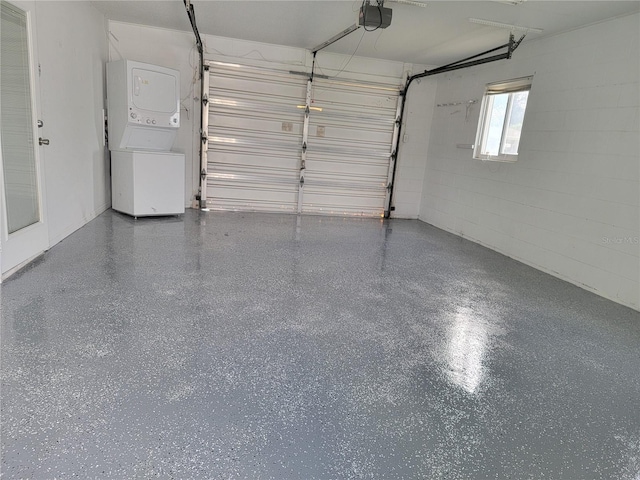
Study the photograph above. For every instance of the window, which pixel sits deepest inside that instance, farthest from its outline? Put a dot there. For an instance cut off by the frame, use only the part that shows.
(501, 117)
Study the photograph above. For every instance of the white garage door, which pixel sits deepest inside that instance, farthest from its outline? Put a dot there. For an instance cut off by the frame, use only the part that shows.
(255, 138)
(256, 122)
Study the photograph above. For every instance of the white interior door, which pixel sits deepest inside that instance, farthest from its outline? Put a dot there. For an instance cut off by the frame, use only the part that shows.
(23, 220)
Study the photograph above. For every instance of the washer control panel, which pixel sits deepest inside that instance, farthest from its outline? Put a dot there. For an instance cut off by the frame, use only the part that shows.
(153, 119)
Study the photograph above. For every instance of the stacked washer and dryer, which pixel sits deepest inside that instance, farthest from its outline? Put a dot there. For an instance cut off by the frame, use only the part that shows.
(147, 178)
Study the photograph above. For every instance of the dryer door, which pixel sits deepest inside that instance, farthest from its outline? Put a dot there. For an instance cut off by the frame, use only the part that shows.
(154, 91)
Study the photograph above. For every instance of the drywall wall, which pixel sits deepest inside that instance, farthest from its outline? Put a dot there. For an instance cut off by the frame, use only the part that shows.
(570, 204)
(72, 60)
(176, 49)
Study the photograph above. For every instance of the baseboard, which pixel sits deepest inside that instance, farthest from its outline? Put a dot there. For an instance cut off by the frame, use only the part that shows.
(20, 266)
(69, 230)
(538, 267)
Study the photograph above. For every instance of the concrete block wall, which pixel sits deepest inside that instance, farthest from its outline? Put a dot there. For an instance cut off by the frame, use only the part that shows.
(570, 204)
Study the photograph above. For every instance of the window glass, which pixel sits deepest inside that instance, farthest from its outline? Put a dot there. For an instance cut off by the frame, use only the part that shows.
(514, 122)
(501, 120)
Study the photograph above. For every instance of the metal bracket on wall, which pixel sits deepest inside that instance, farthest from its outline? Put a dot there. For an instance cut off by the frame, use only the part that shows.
(393, 157)
(204, 90)
(305, 139)
(204, 148)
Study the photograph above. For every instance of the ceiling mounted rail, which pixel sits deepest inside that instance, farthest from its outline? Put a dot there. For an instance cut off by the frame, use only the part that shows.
(335, 38)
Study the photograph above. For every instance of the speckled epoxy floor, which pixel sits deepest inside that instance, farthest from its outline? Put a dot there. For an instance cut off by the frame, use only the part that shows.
(228, 346)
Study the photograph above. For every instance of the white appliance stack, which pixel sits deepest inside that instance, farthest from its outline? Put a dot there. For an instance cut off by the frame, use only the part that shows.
(147, 178)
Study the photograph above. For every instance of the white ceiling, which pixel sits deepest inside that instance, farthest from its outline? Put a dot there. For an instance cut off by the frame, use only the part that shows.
(437, 34)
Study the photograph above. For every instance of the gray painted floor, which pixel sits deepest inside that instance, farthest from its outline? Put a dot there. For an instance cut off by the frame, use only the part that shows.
(256, 346)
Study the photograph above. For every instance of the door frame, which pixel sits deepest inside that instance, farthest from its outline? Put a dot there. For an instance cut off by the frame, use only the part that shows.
(21, 247)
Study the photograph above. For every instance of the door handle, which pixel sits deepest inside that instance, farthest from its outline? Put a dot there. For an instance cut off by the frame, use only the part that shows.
(43, 141)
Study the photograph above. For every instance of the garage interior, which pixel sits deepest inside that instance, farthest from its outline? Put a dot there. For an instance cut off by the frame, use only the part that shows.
(352, 292)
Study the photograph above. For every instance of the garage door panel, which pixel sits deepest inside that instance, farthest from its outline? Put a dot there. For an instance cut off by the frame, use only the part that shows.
(270, 180)
(259, 107)
(251, 189)
(251, 127)
(348, 141)
(331, 201)
(340, 180)
(357, 122)
(244, 197)
(247, 140)
(255, 120)
(368, 98)
(349, 167)
(227, 160)
(323, 131)
(250, 83)
(251, 173)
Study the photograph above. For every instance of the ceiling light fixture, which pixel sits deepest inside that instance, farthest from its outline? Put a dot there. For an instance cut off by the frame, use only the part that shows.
(490, 23)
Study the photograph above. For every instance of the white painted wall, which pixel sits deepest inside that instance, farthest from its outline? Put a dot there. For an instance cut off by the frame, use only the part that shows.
(570, 204)
(72, 49)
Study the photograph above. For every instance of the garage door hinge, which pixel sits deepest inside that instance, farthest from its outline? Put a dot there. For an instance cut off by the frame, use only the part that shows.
(304, 147)
(393, 155)
(205, 100)
(397, 120)
(301, 181)
(206, 68)
(389, 186)
(203, 174)
(306, 111)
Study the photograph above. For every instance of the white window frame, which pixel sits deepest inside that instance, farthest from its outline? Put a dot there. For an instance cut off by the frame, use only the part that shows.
(515, 85)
